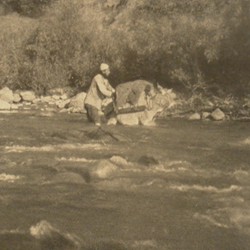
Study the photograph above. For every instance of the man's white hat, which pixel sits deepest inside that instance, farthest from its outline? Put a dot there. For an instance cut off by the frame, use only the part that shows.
(104, 66)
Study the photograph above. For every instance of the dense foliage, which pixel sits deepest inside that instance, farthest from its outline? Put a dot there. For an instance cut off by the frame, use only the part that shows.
(193, 45)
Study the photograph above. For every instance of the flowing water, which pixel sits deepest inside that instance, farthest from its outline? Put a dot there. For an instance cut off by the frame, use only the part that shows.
(65, 184)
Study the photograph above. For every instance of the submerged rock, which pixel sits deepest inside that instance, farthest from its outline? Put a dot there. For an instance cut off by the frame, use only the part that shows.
(218, 115)
(68, 177)
(148, 160)
(103, 169)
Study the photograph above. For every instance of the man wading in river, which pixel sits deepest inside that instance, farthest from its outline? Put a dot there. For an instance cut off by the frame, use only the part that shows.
(98, 91)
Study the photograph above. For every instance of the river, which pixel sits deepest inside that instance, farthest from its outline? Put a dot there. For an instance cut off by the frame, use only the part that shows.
(65, 184)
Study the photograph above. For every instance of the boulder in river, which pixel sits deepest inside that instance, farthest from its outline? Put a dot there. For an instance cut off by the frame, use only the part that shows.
(103, 169)
(218, 115)
(118, 160)
(6, 95)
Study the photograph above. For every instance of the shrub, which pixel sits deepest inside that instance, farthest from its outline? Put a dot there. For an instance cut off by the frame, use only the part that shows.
(191, 45)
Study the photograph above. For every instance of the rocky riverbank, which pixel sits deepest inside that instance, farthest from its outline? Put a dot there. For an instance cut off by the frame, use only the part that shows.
(57, 100)
(62, 100)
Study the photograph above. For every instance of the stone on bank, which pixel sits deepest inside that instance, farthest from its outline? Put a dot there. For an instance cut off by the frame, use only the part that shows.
(194, 117)
(218, 115)
(4, 105)
(6, 95)
(28, 96)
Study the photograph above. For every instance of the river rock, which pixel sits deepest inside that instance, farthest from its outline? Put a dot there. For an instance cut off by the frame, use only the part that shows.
(148, 160)
(46, 99)
(129, 119)
(56, 97)
(62, 103)
(218, 115)
(68, 177)
(16, 98)
(118, 160)
(77, 102)
(146, 118)
(4, 105)
(205, 115)
(28, 96)
(64, 110)
(112, 121)
(56, 91)
(194, 117)
(49, 237)
(64, 97)
(6, 95)
(103, 169)
(14, 106)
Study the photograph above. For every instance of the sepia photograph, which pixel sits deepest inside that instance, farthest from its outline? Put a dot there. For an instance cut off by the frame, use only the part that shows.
(124, 124)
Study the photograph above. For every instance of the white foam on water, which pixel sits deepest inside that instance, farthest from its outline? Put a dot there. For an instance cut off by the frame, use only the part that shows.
(247, 141)
(44, 230)
(9, 178)
(53, 148)
(211, 220)
(210, 189)
(8, 111)
(74, 159)
(240, 217)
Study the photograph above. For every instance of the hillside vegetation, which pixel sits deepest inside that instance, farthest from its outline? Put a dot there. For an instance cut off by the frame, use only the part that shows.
(194, 46)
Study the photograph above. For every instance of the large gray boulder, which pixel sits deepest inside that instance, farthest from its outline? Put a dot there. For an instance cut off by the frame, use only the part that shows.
(6, 94)
(4, 105)
(28, 96)
(77, 102)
